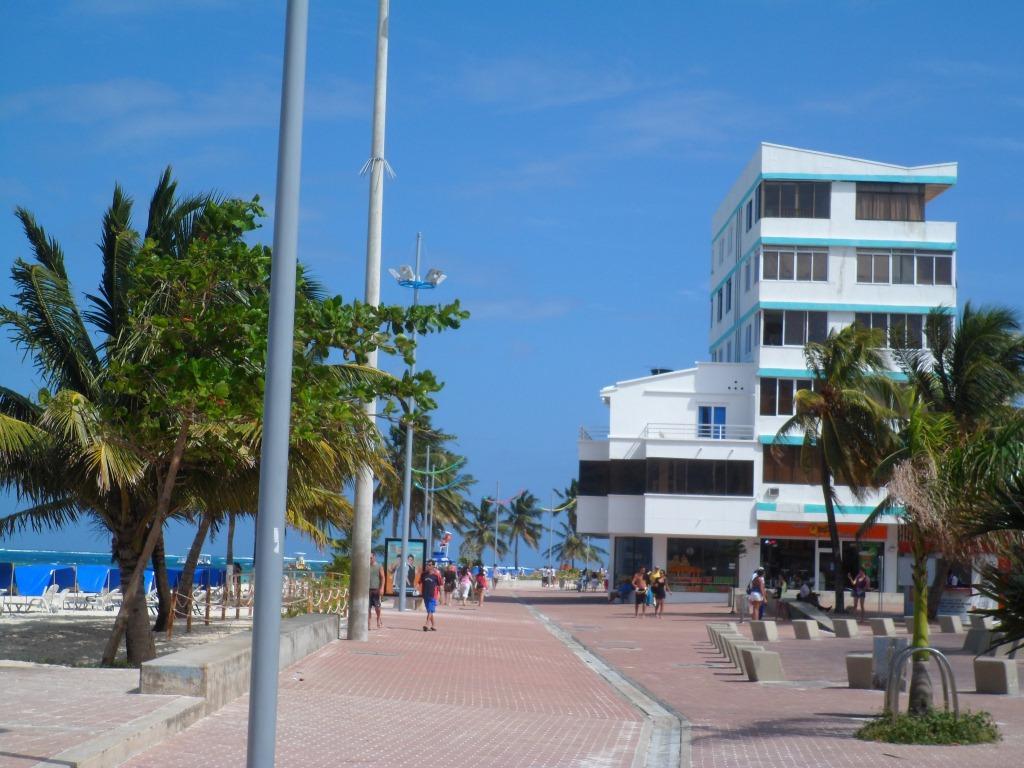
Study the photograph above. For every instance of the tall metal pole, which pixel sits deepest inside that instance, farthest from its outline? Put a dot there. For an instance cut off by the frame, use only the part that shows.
(409, 435)
(270, 520)
(494, 574)
(551, 523)
(426, 503)
(362, 523)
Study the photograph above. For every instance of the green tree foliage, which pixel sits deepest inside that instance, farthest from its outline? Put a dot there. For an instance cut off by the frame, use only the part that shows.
(523, 521)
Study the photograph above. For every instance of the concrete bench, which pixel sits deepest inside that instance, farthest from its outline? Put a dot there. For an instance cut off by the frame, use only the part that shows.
(996, 676)
(908, 623)
(735, 650)
(860, 670)
(805, 629)
(764, 631)
(882, 627)
(977, 640)
(981, 622)
(846, 627)
(950, 625)
(884, 651)
(763, 666)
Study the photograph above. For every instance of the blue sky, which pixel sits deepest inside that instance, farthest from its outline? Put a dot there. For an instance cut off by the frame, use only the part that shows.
(562, 159)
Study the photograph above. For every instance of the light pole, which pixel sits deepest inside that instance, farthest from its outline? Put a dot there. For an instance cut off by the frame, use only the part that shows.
(273, 488)
(408, 277)
(362, 518)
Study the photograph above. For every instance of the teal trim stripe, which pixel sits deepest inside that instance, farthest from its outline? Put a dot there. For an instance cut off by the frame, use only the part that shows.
(916, 244)
(898, 178)
(766, 506)
(735, 327)
(784, 440)
(729, 218)
(771, 506)
(735, 267)
(796, 373)
(832, 307)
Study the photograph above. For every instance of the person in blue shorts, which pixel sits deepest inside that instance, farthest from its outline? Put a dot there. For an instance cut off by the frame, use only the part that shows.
(430, 586)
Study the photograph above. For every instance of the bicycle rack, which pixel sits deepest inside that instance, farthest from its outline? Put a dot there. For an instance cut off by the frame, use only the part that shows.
(892, 689)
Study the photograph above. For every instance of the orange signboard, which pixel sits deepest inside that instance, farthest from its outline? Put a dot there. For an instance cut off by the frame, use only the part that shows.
(817, 530)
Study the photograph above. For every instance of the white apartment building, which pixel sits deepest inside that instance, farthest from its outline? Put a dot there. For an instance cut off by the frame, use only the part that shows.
(805, 242)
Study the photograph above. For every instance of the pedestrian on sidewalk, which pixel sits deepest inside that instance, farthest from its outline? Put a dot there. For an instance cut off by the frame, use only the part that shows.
(451, 576)
(659, 586)
(756, 592)
(465, 584)
(640, 591)
(376, 585)
(430, 586)
(481, 587)
(861, 584)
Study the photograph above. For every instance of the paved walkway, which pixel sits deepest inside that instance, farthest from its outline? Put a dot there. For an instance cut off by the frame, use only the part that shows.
(737, 724)
(491, 687)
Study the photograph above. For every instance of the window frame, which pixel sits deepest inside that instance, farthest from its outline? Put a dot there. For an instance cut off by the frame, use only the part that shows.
(773, 194)
(785, 263)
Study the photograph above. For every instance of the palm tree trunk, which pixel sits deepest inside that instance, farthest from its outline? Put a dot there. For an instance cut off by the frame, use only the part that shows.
(517, 554)
(833, 533)
(139, 642)
(229, 558)
(942, 568)
(189, 570)
(920, 681)
(163, 585)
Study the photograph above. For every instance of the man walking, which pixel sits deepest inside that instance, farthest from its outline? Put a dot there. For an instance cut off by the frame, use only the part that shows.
(430, 585)
(376, 585)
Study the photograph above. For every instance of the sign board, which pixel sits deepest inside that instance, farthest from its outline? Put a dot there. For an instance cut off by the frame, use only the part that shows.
(397, 562)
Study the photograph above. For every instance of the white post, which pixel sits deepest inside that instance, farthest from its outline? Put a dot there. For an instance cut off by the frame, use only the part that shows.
(362, 523)
(409, 437)
(273, 489)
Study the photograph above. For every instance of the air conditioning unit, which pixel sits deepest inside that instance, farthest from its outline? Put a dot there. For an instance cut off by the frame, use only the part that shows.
(771, 493)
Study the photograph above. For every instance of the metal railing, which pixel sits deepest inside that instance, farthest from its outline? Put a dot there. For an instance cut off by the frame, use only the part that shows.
(666, 431)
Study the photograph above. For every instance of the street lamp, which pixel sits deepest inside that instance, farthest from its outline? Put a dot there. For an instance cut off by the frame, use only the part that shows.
(407, 277)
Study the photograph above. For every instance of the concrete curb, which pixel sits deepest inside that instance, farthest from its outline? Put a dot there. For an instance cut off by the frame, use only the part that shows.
(666, 732)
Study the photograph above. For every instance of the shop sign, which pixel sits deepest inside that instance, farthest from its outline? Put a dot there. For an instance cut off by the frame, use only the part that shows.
(817, 530)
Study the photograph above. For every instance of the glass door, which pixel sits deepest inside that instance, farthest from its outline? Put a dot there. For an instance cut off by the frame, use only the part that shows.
(711, 421)
(631, 552)
(825, 570)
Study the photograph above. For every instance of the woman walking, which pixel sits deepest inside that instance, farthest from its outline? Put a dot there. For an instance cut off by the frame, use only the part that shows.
(465, 584)
(481, 587)
(756, 594)
(450, 577)
(659, 586)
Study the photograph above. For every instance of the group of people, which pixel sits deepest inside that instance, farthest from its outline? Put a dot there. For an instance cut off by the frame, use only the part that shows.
(757, 593)
(649, 587)
(434, 585)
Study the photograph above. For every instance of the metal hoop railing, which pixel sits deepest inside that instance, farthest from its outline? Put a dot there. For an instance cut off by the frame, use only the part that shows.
(892, 688)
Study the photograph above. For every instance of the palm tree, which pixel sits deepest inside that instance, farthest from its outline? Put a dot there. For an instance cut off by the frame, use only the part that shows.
(479, 532)
(973, 373)
(572, 547)
(524, 524)
(567, 501)
(844, 421)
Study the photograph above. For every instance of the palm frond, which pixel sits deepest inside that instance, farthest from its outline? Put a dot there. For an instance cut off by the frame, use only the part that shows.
(47, 516)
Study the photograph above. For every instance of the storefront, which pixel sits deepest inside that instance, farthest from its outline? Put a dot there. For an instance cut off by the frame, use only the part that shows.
(799, 552)
(702, 565)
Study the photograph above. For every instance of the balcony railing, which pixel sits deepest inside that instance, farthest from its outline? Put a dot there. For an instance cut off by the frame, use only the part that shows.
(659, 431)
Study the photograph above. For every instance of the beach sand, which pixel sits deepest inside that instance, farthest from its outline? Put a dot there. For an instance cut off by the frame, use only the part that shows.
(76, 639)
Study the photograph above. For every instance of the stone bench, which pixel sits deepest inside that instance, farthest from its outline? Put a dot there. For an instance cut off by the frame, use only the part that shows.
(764, 631)
(981, 622)
(763, 666)
(735, 650)
(846, 627)
(805, 629)
(950, 625)
(996, 676)
(860, 670)
(882, 627)
(978, 640)
(908, 623)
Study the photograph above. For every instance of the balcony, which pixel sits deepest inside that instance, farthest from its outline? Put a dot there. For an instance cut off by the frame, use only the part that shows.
(672, 431)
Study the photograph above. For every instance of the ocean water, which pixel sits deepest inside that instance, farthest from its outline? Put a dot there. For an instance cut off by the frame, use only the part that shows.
(58, 557)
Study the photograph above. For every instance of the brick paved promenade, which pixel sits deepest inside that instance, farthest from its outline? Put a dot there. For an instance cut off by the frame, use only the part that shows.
(490, 687)
(739, 724)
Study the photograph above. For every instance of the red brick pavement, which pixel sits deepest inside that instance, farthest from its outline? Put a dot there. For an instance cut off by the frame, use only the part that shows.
(47, 709)
(738, 724)
(490, 687)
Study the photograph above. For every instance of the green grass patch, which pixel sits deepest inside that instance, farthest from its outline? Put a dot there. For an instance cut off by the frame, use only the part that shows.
(937, 727)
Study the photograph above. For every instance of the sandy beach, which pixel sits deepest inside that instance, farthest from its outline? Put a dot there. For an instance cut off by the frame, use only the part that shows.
(76, 638)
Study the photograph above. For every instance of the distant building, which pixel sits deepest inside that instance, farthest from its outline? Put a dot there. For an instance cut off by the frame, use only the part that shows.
(803, 243)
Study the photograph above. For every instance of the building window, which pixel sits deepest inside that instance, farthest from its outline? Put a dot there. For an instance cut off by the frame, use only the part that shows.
(905, 267)
(719, 305)
(593, 478)
(728, 351)
(890, 202)
(790, 263)
(700, 477)
(749, 340)
(778, 395)
(793, 327)
(757, 266)
(711, 421)
(746, 276)
(721, 250)
(782, 465)
(796, 199)
(728, 295)
(702, 565)
(750, 214)
(899, 331)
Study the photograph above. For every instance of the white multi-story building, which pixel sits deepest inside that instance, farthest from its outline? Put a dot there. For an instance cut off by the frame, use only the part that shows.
(805, 242)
